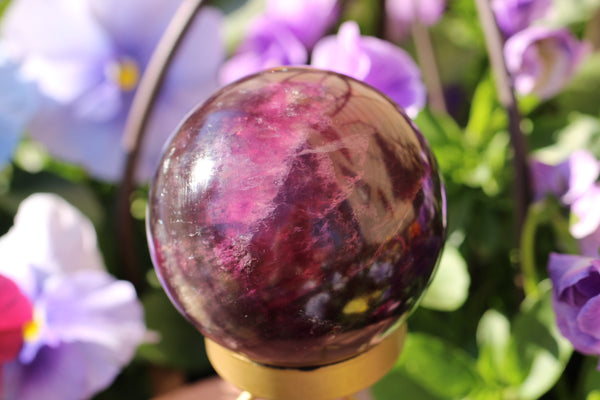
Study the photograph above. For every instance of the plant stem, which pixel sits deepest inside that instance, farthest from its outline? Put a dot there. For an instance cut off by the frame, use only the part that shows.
(507, 98)
(135, 126)
(535, 216)
(428, 63)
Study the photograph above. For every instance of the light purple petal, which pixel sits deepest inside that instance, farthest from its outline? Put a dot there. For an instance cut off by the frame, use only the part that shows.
(49, 237)
(134, 26)
(568, 180)
(402, 14)
(590, 245)
(82, 118)
(549, 179)
(64, 63)
(269, 44)
(541, 60)
(584, 169)
(376, 62)
(71, 371)
(307, 19)
(16, 109)
(93, 307)
(587, 213)
(513, 16)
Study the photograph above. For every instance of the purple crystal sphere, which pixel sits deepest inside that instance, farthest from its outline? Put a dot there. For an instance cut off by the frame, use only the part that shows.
(296, 217)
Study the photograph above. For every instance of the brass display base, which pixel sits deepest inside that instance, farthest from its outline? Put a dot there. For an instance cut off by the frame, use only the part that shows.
(326, 382)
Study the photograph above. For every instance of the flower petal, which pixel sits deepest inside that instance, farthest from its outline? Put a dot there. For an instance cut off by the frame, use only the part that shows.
(542, 60)
(566, 270)
(93, 307)
(376, 62)
(16, 310)
(71, 371)
(588, 319)
(51, 236)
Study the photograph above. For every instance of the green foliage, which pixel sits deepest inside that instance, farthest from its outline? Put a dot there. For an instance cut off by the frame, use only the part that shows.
(518, 360)
(177, 343)
(450, 286)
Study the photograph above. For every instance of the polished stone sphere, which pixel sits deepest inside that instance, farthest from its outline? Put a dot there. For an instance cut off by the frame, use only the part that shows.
(296, 217)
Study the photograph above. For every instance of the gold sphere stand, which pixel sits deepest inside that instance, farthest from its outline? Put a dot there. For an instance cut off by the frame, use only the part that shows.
(327, 382)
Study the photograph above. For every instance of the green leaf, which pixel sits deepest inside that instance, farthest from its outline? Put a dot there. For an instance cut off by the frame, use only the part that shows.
(568, 12)
(450, 286)
(180, 345)
(441, 368)
(527, 359)
(583, 92)
(397, 384)
(582, 132)
(493, 338)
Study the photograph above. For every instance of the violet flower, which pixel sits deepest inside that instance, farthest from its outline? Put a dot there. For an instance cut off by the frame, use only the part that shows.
(283, 35)
(268, 44)
(374, 61)
(87, 57)
(86, 326)
(17, 105)
(542, 60)
(569, 180)
(402, 14)
(513, 16)
(308, 20)
(576, 299)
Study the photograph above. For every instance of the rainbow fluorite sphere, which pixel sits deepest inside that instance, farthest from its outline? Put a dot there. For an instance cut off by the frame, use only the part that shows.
(296, 217)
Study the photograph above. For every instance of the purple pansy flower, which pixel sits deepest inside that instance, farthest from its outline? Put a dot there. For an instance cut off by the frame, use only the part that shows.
(542, 60)
(513, 16)
(87, 57)
(86, 326)
(308, 20)
(402, 14)
(573, 182)
(568, 180)
(576, 299)
(586, 212)
(17, 105)
(269, 44)
(283, 35)
(374, 61)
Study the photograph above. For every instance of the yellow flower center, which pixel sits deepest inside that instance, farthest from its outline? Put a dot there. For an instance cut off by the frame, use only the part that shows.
(32, 330)
(125, 73)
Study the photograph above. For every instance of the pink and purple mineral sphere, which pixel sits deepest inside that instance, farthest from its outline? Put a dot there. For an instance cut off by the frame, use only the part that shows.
(296, 217)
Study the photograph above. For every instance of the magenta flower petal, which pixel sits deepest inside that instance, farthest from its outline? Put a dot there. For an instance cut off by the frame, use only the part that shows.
(16, 311)
(542, 60)
(513, 16)
(376, 62)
